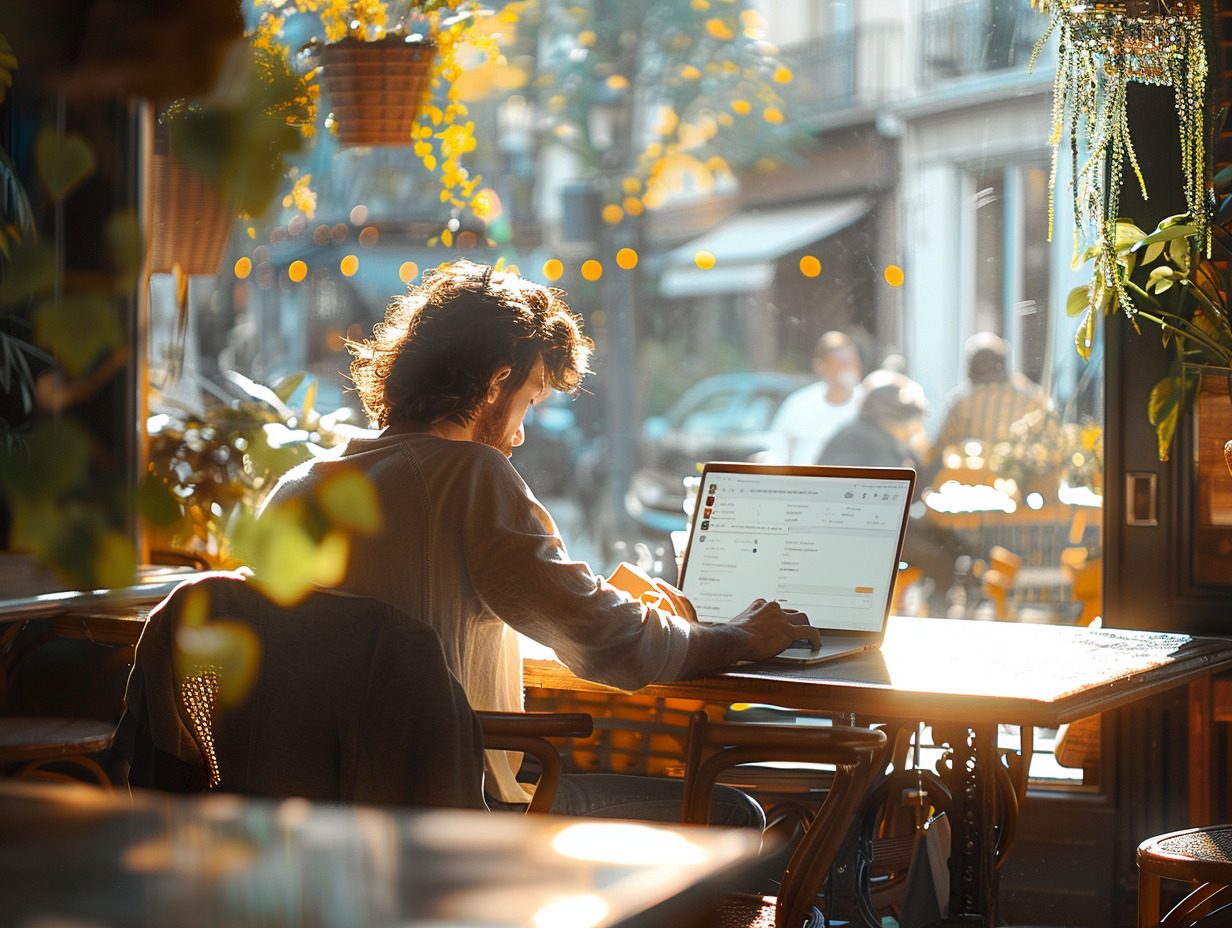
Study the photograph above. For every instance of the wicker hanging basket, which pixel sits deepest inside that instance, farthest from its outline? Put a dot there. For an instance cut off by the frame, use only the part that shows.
(190, 225)
(375, 88)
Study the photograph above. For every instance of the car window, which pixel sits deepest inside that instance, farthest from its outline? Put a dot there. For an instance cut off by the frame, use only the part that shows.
(756, 411)
(710, 414)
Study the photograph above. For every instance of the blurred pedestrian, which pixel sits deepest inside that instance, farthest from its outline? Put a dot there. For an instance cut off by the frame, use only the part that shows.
(809, 416)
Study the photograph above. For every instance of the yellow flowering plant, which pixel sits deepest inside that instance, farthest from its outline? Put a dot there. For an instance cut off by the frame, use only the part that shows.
(712, 85)
(443, 132)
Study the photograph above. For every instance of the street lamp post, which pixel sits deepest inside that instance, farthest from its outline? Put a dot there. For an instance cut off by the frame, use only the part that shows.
(610, 125)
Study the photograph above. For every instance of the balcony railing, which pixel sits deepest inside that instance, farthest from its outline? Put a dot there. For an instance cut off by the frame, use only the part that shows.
(854, 69)
(979, 37)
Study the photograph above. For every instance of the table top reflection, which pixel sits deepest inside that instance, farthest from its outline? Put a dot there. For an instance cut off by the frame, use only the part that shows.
(72, 855)
(956, 670)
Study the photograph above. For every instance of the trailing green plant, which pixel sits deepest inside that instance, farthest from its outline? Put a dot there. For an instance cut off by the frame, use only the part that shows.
(1174, 281)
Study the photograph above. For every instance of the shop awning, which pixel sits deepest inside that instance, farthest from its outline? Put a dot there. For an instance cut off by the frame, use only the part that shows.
(747, 245)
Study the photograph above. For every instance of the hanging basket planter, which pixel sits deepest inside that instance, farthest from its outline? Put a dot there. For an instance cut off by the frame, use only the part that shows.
(1103, 47)
(376, 88)
(190, 225)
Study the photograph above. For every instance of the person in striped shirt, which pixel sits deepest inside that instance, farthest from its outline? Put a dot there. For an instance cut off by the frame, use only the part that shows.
(993, 398)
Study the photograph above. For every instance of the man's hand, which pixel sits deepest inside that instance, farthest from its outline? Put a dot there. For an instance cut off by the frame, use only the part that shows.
(680, 603)
(760, 632)
(770, 628)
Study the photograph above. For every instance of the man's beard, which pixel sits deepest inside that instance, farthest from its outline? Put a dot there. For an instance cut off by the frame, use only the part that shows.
(492, 424)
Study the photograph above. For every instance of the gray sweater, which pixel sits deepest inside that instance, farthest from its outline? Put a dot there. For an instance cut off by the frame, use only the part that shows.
(467, 548)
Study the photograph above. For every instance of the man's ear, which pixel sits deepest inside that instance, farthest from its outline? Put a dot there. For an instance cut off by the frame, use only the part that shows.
(498, 378)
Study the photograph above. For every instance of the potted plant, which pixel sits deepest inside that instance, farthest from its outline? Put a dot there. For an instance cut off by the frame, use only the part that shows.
(390, 72)
(224, 155)
(1164, 280)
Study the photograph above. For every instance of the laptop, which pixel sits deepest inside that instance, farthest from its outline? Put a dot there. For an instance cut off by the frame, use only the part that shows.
(823, 540)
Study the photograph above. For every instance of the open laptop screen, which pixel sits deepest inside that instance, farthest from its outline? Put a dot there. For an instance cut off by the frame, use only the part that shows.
(823, 540)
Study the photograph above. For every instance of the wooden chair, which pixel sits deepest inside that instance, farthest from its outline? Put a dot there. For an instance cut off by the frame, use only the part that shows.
(38, 747)
(998, 579)
(340, 698)
(1201, 856)
(856, 753)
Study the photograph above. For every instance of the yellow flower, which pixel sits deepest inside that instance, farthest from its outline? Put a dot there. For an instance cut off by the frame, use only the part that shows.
(304, 198)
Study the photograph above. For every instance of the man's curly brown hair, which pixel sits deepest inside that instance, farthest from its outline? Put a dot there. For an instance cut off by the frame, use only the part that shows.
(433, 357)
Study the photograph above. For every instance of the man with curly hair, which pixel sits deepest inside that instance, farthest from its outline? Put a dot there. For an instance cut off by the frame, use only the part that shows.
(465, 545)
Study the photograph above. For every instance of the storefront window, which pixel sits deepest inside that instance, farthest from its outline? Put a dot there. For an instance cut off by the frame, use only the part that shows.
(715, 190)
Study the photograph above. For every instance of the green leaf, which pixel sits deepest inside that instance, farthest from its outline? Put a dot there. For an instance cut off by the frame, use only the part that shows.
(1178, 252)
(1078, 300)
(1153, 251)
(284, 387)
(1084, 338)
(156, 503)
(64, 161)
(78, 329)
(31, 272)
(1167, 233)
(283, 555)
(1160, 279)
(54, 458)
(1128, 235)
(1163, 410)
(123, 237)
(349, 502)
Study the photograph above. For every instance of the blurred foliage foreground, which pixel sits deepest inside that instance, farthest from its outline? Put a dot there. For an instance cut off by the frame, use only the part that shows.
(219, 465)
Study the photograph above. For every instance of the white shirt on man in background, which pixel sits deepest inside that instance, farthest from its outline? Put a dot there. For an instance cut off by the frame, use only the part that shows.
(805, 422)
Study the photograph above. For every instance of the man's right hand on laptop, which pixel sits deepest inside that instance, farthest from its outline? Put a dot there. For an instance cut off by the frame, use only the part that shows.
(772, 629)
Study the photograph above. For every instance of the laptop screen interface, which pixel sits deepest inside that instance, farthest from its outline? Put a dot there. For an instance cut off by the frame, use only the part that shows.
(827, 546)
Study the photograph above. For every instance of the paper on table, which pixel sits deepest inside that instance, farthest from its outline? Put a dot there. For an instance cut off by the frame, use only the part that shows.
(631, 579)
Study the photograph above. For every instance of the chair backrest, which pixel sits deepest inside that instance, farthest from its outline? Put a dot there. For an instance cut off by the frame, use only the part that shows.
(857, 754)
(349, 700)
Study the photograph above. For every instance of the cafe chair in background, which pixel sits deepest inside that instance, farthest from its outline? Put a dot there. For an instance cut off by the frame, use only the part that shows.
(1201, 857)
(40, 747)
(337, 698)
(857, 755)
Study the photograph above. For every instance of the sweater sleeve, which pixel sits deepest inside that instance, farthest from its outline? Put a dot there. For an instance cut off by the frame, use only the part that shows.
(520, 570)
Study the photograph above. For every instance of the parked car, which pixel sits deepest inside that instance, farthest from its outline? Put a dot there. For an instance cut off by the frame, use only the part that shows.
(722, 418)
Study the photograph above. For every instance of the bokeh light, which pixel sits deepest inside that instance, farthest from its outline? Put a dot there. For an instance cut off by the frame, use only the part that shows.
(368, 236)
(359, 215)
(592, 269)
(810, 266)
(297, 271)
(408, 271)
(243, 267)
(552, 269)
(612, 214)
(349, 265)
(704, 259)
(894, 275)
(627, 258)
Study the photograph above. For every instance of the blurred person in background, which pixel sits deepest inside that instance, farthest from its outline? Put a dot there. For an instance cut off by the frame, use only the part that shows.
(993, 398)
(807, 418)
(888, 431)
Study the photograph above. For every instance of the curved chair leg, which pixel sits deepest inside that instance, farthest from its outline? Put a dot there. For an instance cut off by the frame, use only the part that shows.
(36, 770)
(1191, 910)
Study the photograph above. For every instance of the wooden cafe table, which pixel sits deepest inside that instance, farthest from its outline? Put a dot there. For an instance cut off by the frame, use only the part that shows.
(71, 855)
(967, 678)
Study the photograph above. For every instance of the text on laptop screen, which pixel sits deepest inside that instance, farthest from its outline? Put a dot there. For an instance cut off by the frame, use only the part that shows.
(825, 546)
